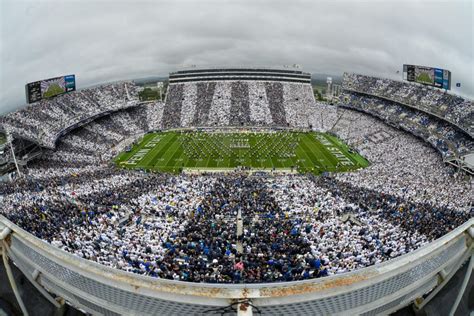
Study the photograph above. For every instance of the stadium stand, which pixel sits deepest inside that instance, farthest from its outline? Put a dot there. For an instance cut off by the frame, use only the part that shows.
(85, 152)
(377, 229)
(441, 119)
(445, 137)
(452, 108)
(232, 97)
(43, 122)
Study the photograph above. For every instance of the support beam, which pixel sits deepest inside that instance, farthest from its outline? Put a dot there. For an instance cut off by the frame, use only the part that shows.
(33, 279)
(5, 232)
(463, 286)
(12, 279)
(445, 279)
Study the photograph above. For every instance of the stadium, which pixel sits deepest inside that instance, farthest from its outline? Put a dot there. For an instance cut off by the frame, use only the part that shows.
(240, 194)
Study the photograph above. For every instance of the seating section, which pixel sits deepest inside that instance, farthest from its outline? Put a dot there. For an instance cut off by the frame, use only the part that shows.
(237, 103)
(453, 108)
(42, 122)
(183, 227)
(293, 226)
(445, 137)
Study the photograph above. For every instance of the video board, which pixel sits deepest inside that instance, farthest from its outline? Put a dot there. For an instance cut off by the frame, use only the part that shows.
(435, 77)
(43, 89)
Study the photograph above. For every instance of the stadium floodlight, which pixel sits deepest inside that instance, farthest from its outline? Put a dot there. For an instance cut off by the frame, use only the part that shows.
(126, 91)
(159, 85)
(329, 89)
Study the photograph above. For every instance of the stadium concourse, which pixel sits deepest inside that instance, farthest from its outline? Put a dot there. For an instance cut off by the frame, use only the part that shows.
(294, 226)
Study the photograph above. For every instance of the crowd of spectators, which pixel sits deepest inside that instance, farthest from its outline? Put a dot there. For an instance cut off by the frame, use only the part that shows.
(297, 99)
(445, 137)
(453, 108)
(400, 164)
(185, 227)
(105, 137)
(260, 114)
(238, 227)
(43, 121)
(223, 101)
(239, 113)
(237, 103)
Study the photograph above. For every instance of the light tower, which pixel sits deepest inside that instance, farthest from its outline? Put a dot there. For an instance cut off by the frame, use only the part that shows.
(328, 92)
(159, 86)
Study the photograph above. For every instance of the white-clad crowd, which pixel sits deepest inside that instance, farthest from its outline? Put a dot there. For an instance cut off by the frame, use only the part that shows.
(342, 244)
(454, 108)
(446, 138)
(43, 121)
(401, 164)
(184, 227)
(238, 103)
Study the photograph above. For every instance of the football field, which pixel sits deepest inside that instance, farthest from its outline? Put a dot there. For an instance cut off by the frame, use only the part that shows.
(175, 151)
(53, 90)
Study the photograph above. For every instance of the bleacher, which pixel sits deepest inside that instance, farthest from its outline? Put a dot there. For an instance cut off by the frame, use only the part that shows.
(45, 121)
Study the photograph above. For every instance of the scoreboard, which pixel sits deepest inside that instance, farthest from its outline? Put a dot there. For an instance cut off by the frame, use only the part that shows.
(435, 77)
(39, 90)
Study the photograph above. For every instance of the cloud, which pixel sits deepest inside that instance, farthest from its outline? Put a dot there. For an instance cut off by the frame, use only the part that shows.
(103, 41)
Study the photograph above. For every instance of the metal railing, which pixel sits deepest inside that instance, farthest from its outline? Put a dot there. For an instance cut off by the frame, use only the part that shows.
(101, 290)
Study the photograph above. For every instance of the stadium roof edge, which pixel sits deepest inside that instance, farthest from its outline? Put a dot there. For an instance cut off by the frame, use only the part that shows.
(239, 69)
(190, 67)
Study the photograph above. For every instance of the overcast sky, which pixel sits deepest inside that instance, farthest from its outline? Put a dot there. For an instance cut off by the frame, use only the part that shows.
(110, 40)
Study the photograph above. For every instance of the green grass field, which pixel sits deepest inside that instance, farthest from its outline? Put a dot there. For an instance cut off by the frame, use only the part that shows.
(424, 77)
(305, 151)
